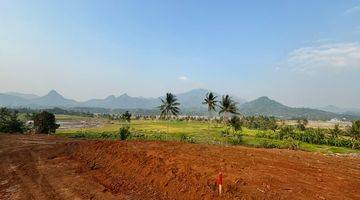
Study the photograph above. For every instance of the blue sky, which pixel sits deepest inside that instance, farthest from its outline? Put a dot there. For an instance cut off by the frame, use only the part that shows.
(301, 53)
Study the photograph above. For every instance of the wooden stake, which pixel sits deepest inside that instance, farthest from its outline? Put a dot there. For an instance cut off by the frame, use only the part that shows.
(220, 182)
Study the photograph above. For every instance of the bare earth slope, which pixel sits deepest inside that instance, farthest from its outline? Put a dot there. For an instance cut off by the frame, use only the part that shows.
(47, 167)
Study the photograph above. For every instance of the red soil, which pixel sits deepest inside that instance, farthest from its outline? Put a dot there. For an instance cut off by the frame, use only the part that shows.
(42, 167)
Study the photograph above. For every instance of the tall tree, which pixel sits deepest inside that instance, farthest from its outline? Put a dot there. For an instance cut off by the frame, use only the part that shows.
(355, 130)
(45, 122)
(169, 106)
(126, 116)
(211, 102)
(9, 122)
(335, 132)
(227, 106)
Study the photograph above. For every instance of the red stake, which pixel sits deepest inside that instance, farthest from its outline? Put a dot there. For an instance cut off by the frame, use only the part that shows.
(220, 182)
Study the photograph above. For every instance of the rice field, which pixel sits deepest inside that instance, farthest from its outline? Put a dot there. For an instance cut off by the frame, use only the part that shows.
(190, 131)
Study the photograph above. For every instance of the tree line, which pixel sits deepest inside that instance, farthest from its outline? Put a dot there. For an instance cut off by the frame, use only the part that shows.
(43, 122)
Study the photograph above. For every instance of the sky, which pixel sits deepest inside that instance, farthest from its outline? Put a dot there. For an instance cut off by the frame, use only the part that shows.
(301, 53)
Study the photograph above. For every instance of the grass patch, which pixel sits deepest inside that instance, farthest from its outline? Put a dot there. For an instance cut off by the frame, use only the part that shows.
(196, 132)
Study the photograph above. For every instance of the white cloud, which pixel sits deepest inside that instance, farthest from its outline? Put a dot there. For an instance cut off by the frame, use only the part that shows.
(317, 41)
(335, 57)
(352, 10)
(183, 78)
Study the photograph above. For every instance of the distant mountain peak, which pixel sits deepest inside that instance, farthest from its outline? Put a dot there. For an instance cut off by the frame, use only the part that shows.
(53, 93)
(110, 97)
(199, 90)
(124, 95)
(264, 98)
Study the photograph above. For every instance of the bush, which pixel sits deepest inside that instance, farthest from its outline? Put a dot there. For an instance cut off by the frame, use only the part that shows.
(260, 122)
(235, 123)
(126, 116)
(301, 124)
(266, 134)
(313, 136)
(138, 136)
(235, 139)
(45, 122)
(9, 122)
(286, 132)
(355, 144)
(354, 131)
(269, 144)
(336, 131)
(79, 135)
(107, 135)
(292, 144)
(124, 132)
(225, 132)
(186, 138)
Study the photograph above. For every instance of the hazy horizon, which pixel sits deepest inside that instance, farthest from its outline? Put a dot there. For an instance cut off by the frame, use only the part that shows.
(303, 54)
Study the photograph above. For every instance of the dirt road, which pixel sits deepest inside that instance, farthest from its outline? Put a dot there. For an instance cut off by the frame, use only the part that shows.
(48, 167)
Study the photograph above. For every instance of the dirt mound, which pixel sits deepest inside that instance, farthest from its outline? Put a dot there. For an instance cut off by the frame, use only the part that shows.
(47, 167)
(37, 167)
(172, 170)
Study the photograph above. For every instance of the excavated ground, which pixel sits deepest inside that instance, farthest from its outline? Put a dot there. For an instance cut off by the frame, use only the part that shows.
(49, 167)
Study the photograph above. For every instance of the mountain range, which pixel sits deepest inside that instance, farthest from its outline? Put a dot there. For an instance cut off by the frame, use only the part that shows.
(191, 102)
(335, 109)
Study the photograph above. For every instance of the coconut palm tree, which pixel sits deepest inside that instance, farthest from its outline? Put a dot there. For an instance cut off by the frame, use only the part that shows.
(227, 105)
(211, 102)
(169, 106)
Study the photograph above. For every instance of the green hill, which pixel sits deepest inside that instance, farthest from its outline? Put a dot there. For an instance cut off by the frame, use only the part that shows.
(269, 107)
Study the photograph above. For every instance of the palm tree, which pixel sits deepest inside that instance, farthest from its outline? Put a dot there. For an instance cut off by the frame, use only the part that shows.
(169, 106)
(227, 105)
(211, 102)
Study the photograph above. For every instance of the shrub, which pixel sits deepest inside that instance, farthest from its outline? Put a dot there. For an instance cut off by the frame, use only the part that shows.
(336, 131)
(354, 131)
(236, 139)
(314, 136)
(9, 122)
(45, 122)
(225, 132)
(124, 132)
(79, 135)
(107, 135)
(290, 143)
(159, 136)
(301, 124)
(286, 132)
(186, 138)
(138, 136)
(235, 123)
(355, 144)
(126, 116)
(260, 122)
(266, 134)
